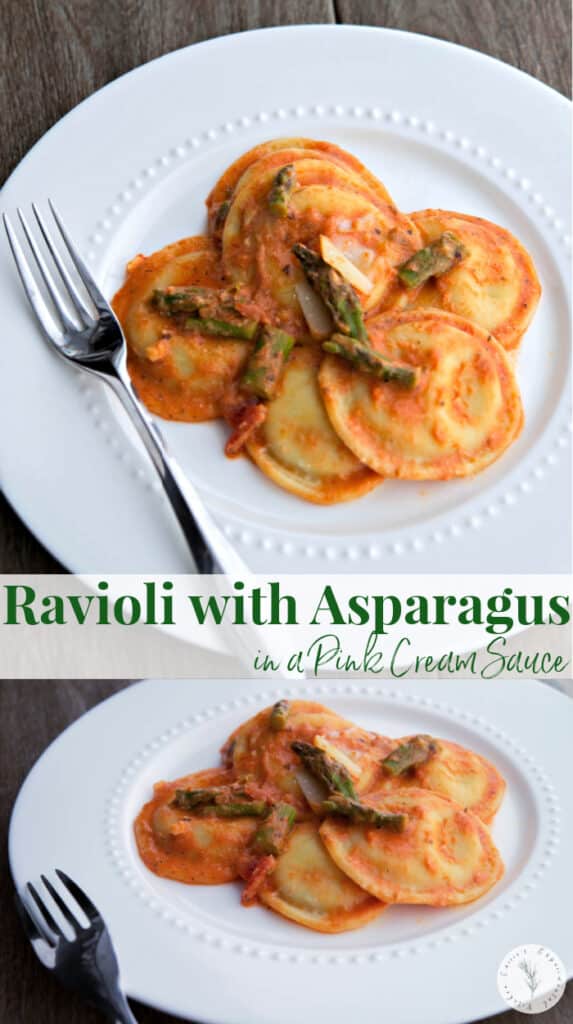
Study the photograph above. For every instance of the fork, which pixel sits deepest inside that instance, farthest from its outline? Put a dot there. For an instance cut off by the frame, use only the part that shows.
(87, 963)
(82, 329)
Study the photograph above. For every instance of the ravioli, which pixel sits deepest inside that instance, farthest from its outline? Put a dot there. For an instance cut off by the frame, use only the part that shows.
(255, 750)
(311, 167)
(495, 285)
(227, 183)
(178, 374)
(453, 771)
(445, 856)
(257, 246)
(296, 446)
(307, 887)
(198, 850)
(461, 415)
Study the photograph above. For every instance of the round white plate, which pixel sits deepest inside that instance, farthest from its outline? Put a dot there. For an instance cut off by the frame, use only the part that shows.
(195, 951)
(130, 169)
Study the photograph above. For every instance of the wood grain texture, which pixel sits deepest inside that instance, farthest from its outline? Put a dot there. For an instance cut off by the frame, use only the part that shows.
(32, 714)
(53, 53)
(534, 36)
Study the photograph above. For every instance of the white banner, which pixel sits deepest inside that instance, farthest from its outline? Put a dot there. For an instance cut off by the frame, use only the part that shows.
(61, 626)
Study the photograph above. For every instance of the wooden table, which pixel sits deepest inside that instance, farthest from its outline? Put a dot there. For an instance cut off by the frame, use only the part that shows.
(52, 55)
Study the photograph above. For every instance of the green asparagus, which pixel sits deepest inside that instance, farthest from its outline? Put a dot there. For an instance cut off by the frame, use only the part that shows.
(271, 835)
(263, 370)
(435, 259)
(190, 299)
(281, 190)
(191, 799)
(361, 814)
(364, 357)
(223, 801)
(417, 750)
(206, 310)
(330, 772)
(250, 809)
(339, 296)
(243, 328)
(279, 715)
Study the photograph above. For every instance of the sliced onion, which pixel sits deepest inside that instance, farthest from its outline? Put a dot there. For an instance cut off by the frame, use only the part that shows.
(314, 311)
(334, 256)
(314, 791)
(332, 751)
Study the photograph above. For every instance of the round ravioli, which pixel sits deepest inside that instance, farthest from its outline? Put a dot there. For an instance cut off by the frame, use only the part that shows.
(256, 750)
(464, 411)
(257, 245)
(296, 446)
(198, 850)
(310, 167)
(460, 774)
(229, 180)
(307, 887)
(179, 374)
(495, 285)
(444, 856)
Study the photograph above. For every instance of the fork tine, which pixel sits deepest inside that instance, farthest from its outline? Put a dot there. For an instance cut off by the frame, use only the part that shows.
(32, 927)
(34, 295)
(70, 918)
(90, 285)
(80, 306)
(46, 275)
(45, 913)
(80, 896)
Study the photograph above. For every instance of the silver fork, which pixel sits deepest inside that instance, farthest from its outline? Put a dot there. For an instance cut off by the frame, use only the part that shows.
(82, 329)
(87, 963)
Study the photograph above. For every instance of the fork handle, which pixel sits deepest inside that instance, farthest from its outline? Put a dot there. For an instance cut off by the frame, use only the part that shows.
(208, 545)
(126, 1016)
(210, 549)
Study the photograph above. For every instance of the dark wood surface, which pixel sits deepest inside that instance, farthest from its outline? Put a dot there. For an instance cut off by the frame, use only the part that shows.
(53, 53)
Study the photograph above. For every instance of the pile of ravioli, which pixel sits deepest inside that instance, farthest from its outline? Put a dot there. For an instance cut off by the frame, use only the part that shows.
(332, 432)
(332, 875)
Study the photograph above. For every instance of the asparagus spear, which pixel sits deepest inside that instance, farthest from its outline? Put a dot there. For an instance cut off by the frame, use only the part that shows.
(208, 311)
(271, 835)
(250, 809)
(223, 801)
(243, 328)
(335, 292)
(190, 299)
(365, 358)
(334, 775)
(266, 362)
(437, 257)
(362, 814)
(279, 715)
(281, 190)
(415, 751)
(191, 799)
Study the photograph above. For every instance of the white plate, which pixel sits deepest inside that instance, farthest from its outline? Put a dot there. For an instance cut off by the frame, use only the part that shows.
(196, 952)
(130, 169)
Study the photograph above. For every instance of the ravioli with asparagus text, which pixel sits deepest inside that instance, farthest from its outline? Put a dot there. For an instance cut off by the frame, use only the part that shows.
(342, 341)
(326, 823)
